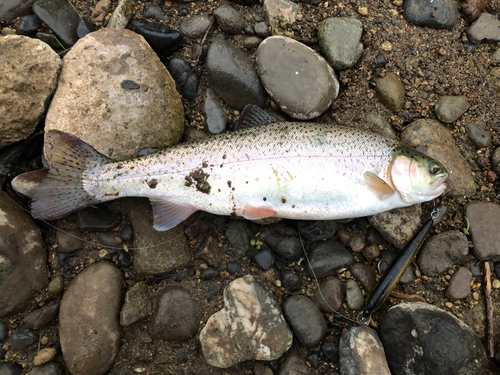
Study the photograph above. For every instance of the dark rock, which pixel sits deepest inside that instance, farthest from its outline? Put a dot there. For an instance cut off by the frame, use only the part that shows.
(3, 331)
(212, 291)
(317, 230)
(327, 258)
(262, 30)
(386, 259)
(137, 305)
(390, 91)
(232, 75)
(249, 30)
(238, 235)
(331, 351)
(49, 39)
(11, 9)
(305, 319)
(360, 349)
(56, 286)
(61, 17)
(480, 136)
(84, 28)
(229, 19)
(124, 259)
(209, 274)
(365, 275)
(29, 25)
(176, 317)
(294, 364)
(251, 42)
(127, 233)
(246, 2)
(185, 78)
(460, 287)
(52, 368)
(22, 339)
(313, 359)
(483, 217)
(354, 297)
(495, 160)
(330, 295)
(195, 27)
(69, 240)
(214, 112)
(263, 257)
(130, 85)
(41, 317)
(97, 219)
(109, 239)
(283, 241)
(441, 14)
(381, 60)
(233, 268)
(290, 280)
(10, 368)
(155, 12)
(162, 39)
(442, 343)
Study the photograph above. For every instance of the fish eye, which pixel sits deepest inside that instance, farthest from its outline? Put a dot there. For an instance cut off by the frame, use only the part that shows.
(434, 168)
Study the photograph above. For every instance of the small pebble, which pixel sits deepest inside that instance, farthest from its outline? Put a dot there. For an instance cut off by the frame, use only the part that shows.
(56, 286)
(331, 351)
(386, 46)
(127, 233)
(212, 291)
(209, 274)
(290, 280)
(496, 284)
(124, 260)
(363, 11)
(44, 356)
(233, 268)
(313, 359)
(449, 305)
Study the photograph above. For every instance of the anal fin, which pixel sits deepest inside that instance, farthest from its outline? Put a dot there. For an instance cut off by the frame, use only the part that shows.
(168, 215)
(255, 213)
(378, 186)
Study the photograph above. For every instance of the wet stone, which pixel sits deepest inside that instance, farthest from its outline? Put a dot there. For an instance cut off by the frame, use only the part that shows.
(10, 368)
(155, 12)
(234, 334)
(137, 305)
(261, 29)
(317, 230)
(479, 135)
(229, 19)
(331, 351)
(441, 14)
(209, 274)
(354, 296)
(56, 285)
(127, 233)
(100, 219)
(52, 368)
(22, 339)
(483, 219)
(69, 240)
(176, 317)
(283, 241)
(327, 258)
(29, 25)
(60, 17)
(330, 295)
(411, 330)
(124, 259)
(442, 251)
(313, 359)
(212, 291)
(450, 108)
(290, 280)
(233, 268)
(485, 28)
(386, 259)
(362, 352)
(162, 39)
(41, 317)
(365, 275)
(186, 79)
(305, 319)
(460, 287)
(263, 257)
(196, 26)
(390, 91)
(294, 364)
(214, 112)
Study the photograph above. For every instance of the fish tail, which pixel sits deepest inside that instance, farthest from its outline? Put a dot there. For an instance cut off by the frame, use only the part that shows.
(63, 190)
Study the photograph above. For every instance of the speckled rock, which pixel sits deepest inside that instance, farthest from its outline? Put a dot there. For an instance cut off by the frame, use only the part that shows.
(250, 326)
(362, 352)
(432, 138)
(339, 41)
(442, 14)
(281, 14)
(398, 226)
(442, 251)
(483, 219)
(296, 78)
(88, 317)
(485, 28)
(35, 64)
(442, 343)
(450, 108)
(390, 91)
(459, 287)
(152, 116)
(23, 271)
(137, 305)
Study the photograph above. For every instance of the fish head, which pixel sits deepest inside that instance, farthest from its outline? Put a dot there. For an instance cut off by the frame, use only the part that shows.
(416, 176)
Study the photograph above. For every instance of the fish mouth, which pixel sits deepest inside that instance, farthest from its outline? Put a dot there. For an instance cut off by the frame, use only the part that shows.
(440, 186)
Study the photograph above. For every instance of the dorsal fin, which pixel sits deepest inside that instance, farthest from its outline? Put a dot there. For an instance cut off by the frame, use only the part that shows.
(253, 115)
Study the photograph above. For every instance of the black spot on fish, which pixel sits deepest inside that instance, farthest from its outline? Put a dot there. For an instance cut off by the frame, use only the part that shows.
(152, 183)
(283, 200)
(264, 199)
(229, 183)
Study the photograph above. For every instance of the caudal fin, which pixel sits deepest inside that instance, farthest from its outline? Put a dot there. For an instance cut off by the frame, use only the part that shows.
(62, 191)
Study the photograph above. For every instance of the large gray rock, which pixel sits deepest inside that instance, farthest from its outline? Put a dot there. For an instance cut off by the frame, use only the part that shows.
(231, 73)
(450, 108)
(89, 319)
(439, 14)
(433, 139)
(250, 326)
(115, 94)
(483, 219)
(296, 78)
(23, 271)
(29, 78)
(339, 41)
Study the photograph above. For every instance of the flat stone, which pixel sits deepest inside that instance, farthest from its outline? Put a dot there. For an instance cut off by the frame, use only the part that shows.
(297, 79)
(294, 364)
(250, 326)
(281, 15)
(317, 230)
(362, 352)
(22, 339)
(238, 235)
(22, 258)
(305, 319)
(450, 108)
(10, 368)
(35, 64)
(52, 368)
(29, 25)
(41, 317)
(339, 41)
(155, 12)
(195, 27)
(443, 344)
(433, 139)
(365, 275)
(138, 304)
(442, 251)
(327, 257)
(460, 287)
(11, 9)
(330, 295)
(214, 112)
(229, 19)
(377, 123)
(69, 240)
(149, 117)
(90, 331)
(390, 91)
(251, 42)
(483, 219)
(283, 240)
(163, 39)
(263, 257)
(441, 14)
(480, 136)
(486, 28)
(232, 75)
(354, 296)
(61, 17)
(398, 226)
(176, 316)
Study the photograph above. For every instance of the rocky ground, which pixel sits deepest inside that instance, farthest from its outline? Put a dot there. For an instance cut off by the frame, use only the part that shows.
(101, 291)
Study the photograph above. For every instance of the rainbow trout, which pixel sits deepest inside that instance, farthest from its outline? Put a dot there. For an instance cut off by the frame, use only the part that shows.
(285, 169)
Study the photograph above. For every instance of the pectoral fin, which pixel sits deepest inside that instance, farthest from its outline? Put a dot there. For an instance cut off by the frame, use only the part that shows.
(167, 214)
(255, 213)
(378, 186)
